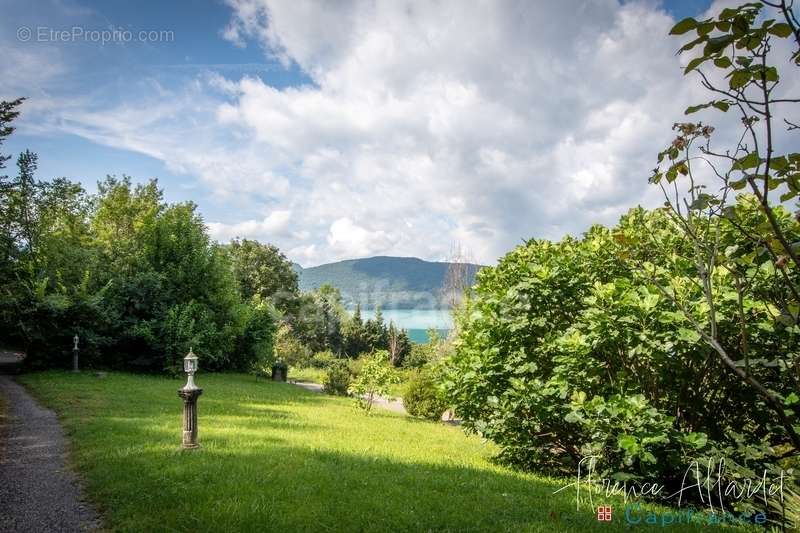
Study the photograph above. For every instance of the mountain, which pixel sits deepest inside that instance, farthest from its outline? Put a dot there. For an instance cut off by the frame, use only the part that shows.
(391, 282)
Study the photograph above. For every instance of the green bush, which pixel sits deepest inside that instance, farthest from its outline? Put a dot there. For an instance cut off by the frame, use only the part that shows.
(322, 359)
(289, 349)
(423, 398)
(355, 366)
(565, 350)
(337, 378)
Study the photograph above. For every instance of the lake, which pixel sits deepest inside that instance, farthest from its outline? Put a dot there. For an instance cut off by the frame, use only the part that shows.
(415, 321)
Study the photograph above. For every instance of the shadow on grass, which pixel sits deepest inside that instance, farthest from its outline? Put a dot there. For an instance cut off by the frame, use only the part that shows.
(287, 488)
(277, 458)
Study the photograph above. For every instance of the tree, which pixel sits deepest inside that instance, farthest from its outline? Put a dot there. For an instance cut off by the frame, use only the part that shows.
(571, 349)
(375, 331)
(263, 270)
(738, 46)
(373, 380)
(354, 336)
(8, 113)
(398, 345)
(138, 279)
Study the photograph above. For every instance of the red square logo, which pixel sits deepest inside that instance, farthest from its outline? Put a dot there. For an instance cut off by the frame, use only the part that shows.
(604, 513)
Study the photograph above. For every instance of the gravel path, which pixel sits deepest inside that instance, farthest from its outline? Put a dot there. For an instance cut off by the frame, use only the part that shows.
(37, 492)
(395, 405)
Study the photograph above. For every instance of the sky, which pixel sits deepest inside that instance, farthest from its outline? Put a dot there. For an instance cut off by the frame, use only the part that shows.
(349, 129)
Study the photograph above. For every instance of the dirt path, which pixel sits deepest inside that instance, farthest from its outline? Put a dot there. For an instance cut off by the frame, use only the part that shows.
(37, 491)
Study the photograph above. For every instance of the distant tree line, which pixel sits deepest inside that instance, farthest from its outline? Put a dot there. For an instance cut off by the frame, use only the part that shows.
(140, 281)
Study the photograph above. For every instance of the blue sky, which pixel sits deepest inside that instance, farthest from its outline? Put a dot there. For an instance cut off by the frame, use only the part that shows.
(360, 130)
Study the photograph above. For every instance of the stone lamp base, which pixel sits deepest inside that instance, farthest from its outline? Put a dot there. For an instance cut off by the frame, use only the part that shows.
(190, 417)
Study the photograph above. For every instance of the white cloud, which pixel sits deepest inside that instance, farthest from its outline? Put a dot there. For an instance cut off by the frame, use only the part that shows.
(275, 224)
(351, 240)
(426, 123)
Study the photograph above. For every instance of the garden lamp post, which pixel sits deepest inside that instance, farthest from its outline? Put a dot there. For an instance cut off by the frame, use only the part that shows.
(190, 392)
(75, 353)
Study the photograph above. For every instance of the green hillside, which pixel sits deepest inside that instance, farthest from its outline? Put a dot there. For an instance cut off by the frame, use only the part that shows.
(391, 282)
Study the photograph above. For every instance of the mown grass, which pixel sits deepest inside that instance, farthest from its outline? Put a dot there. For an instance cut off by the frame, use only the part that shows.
(278, 458)
(308, 374)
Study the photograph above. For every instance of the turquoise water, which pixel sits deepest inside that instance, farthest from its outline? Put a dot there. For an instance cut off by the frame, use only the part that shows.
(420, 336)
(416, 321)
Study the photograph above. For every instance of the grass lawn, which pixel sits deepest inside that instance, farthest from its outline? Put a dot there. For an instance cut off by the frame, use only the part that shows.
(311, 375)
(277, 458)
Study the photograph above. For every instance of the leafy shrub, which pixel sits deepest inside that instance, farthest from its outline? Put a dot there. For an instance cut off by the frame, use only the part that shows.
(423, 398)
(565, 350)
(355, 366)
(374, 380)
(418, 356)
(322, 359)
(289, 349)
(337, 378)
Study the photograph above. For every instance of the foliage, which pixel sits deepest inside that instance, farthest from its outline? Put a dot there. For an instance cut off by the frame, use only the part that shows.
(257, 342)
(306, 374)
(322, 359)
(673, 335)
(731, 238)
(568, 349)
(8, 112)
(373, 380)
(122, 270)
(261, 269)
(360, 337)
(354, 335)
(289, 349)
(431, 352)
(398, 344)
(787, 511)
(337, 378)
(316, 319)
(423, 398)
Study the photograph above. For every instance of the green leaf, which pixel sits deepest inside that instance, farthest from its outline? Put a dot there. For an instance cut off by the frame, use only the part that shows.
(738, 185)
(781, 29)
(683, 26)
(739, 79)
(696, 439)
(771, 74)
(692, 44)
(695, 108)
(779, 163)
(628, 443)
(751, 160)
(788, 195)
(721, 105)
(717, 44)
(723, 62)
(705, 28)
(693, 64)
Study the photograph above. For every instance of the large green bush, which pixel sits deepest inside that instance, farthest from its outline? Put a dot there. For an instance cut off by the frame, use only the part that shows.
(570, 349)
(423, 398)
(322, 359)
(337, 378)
